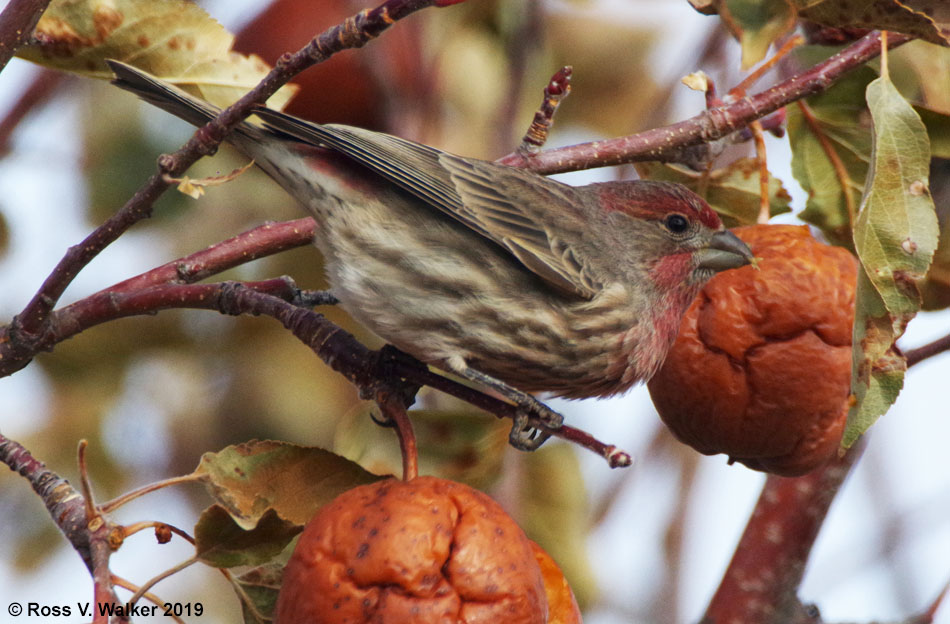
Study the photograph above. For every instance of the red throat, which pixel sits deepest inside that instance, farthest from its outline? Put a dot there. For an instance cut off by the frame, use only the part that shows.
(670, 277)
(670, 272)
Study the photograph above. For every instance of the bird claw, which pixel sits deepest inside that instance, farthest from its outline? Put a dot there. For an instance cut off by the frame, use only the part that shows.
(524, 435)
(533, 420)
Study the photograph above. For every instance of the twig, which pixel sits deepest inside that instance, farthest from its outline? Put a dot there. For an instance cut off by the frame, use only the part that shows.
(754, 76)
(17, 22)
(118, 581)
(335, 346)
(918, 355)
(756, 127)
(931, 611)
(395, 412)
(152, 582)
(558, 88)
(106, 305)
(668, 144)
(762, 159)
(520, 42)
(346, 355)
(115, 503)
(84, 482)
(246, 602)
(263, 240)
(163, 531)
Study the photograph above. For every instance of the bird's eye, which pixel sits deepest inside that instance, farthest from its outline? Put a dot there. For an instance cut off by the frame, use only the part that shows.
(676, 223)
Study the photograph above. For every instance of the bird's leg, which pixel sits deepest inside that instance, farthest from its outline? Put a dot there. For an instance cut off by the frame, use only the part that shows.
(523, 435)
(314, 298)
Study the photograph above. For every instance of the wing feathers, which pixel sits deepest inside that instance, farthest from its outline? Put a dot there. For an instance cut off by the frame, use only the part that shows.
(506, 205)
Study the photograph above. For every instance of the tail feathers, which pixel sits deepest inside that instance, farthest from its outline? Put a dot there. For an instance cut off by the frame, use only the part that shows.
(163, 95)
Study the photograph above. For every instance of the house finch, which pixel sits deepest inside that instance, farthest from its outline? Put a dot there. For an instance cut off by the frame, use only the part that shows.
(500, 275)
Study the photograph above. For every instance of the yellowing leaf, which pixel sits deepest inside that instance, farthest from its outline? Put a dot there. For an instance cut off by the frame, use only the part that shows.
(250, 479)
(895, 237)
(175, 40)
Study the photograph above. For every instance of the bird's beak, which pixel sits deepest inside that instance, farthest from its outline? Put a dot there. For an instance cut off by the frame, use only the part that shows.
(725, 251)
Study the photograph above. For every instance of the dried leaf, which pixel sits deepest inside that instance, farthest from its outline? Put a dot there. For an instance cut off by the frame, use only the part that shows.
(697, 81)
(926, 19)
(250, 479)
(195, 188)
(895, 237)
(175, 40)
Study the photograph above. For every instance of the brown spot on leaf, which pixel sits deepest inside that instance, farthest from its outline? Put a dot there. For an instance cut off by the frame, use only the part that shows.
(106, 20)
(906, 284)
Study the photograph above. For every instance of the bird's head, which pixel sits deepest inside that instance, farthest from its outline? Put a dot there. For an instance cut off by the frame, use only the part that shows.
(670, 233)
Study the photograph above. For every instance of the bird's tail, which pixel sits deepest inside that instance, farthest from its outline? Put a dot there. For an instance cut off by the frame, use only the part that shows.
(163, 95)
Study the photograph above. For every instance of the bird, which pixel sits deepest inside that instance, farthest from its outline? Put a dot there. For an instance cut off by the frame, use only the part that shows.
(502, 276)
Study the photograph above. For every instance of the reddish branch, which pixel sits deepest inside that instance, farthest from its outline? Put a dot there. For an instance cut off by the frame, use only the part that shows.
(92, 536)
(915, 356)
(761, 584)
(670, 143)
(258, 242)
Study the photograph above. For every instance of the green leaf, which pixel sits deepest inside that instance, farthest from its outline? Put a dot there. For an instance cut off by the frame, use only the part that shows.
(732, 191)
(250, 479)
(842, 119)
(895, 237)
(221, 543)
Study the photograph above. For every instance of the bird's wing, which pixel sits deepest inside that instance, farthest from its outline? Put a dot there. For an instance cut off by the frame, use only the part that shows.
(511, 207)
